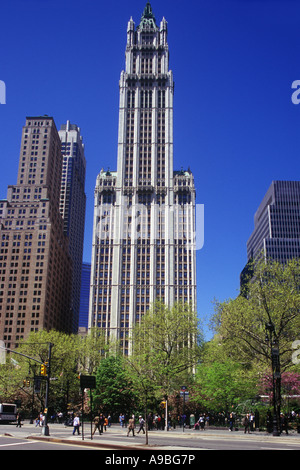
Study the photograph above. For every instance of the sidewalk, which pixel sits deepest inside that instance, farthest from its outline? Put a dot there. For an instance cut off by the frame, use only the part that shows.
(116, 437)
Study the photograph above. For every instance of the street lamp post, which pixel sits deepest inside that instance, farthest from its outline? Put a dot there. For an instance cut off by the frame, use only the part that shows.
(276, 375)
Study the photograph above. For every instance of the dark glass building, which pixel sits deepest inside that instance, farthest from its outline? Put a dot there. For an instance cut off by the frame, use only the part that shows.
(84, 295)
(277, 223)
(72, 205)
(276, 233)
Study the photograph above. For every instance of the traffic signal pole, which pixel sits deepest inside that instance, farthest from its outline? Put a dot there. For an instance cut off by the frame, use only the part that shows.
(45, 429)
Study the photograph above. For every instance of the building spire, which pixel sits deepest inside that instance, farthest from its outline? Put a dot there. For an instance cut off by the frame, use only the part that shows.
(148, 13)
(148, 17)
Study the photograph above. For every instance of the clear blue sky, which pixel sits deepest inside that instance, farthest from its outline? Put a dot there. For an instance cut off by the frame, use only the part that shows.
(234, 122)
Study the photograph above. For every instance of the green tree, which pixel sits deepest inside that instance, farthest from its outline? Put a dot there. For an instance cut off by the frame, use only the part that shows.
(265, 320)
(223, 385)
(91, 349)
(273, 298)
(142, 373)
(64, 384)
(115, 390)
(166, 343)
(222, 382)
(70, 355)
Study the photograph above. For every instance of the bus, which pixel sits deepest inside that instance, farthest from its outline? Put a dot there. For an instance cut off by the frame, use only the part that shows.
(8, 412)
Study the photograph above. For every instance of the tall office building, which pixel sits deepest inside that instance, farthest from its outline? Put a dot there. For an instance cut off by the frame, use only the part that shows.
(35, 266)
(276, 233)
(72, 205)
(85, 295)
(277, 223)
(144, 213)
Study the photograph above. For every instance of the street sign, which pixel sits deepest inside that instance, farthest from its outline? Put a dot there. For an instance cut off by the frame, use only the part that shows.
(185, 395)
(87, 381)
(37, 384)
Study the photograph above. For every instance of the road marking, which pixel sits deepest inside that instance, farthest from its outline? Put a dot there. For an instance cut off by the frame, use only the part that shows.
(17, 444)
(274, 448)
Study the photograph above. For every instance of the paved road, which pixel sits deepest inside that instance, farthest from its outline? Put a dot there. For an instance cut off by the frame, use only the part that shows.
(30, 437)
(13, 443)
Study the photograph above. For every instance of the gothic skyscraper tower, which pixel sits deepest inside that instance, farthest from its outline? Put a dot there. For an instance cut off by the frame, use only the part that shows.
(144, 216)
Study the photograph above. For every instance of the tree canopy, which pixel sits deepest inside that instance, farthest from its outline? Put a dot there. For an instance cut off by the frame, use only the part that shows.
(272, 300)
(166, 343)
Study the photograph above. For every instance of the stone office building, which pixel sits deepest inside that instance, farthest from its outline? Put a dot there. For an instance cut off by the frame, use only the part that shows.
(144, 213)
(35, 266)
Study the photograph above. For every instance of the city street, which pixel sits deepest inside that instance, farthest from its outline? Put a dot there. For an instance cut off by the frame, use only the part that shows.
(115, 438)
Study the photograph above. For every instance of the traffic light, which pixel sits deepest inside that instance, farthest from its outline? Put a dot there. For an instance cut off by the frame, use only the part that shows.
(44, 369)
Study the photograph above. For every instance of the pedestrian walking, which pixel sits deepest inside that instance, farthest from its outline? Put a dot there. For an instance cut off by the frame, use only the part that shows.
(231, 421)
(202, 422)
(251, 421)
(96, 425)
(60, 417)
(19, 418)
(283, 423)
(76, 424)
(42, 419)
(101, 422)
(142, 422)
(105, 422)
(122, 420)
(130, 426)
(246, 424)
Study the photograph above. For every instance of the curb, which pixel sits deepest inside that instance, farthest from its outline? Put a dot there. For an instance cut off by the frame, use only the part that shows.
(107, 446)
